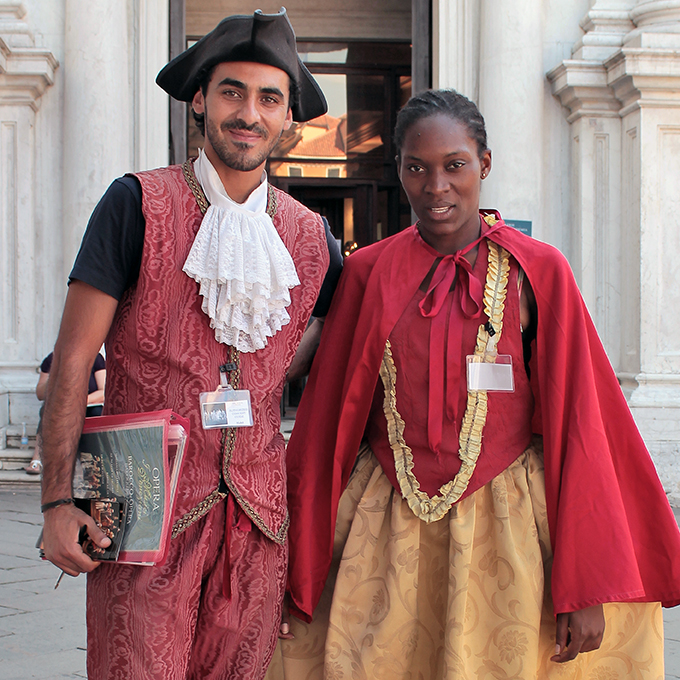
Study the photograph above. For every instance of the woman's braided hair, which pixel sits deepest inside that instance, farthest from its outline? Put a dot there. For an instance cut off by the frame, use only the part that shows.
(441, 102)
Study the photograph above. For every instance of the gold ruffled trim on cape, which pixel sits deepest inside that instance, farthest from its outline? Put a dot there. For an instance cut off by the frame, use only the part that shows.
(470, 439)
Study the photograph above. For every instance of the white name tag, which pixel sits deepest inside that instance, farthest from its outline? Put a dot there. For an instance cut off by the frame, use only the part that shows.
(485, 377)
(226, 407)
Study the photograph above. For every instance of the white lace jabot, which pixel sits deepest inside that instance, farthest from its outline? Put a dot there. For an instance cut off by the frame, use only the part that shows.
(244, 270)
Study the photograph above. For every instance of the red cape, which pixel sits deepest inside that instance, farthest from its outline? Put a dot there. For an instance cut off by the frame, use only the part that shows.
(614, 536)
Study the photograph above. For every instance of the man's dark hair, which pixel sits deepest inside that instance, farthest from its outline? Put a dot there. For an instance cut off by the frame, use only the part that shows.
(441, 102)
(204, 77)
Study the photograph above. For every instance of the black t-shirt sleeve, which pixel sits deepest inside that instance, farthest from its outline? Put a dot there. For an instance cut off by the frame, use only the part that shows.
(99, 364)
(111, 252)
(46, 363)
(323, 302)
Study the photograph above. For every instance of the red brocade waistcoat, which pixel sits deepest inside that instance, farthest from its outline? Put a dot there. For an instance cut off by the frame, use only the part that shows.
(161, 352)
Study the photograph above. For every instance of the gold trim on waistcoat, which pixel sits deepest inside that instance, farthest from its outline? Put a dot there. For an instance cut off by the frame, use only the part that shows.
(199, 194)
(470, 439)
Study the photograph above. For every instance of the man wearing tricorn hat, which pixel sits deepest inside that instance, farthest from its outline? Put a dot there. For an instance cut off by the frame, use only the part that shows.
(193, 273)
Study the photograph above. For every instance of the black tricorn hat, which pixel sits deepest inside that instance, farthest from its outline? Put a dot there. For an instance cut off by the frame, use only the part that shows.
(261, 38)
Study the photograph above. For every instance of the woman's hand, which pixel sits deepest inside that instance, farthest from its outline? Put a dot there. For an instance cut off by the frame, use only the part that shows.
(579, 631)
(284, 629)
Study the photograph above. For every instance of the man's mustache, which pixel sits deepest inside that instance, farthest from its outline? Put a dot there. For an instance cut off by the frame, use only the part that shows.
(240, 124)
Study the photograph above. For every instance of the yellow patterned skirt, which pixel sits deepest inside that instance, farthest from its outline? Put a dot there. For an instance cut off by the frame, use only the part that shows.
(467, 597)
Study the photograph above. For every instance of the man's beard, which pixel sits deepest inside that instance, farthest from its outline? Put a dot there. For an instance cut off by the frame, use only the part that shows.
(238, 160)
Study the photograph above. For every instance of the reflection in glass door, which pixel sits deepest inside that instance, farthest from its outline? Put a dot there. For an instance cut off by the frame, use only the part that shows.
(342, 164)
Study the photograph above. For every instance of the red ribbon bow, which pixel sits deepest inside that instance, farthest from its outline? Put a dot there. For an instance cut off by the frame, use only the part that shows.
(445, 353)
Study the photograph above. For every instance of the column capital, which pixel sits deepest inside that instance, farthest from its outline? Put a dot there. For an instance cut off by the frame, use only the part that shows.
(26, 71)
(644, 77)
(605, 26)
(657, 14)
(583, 88)
(657, 24)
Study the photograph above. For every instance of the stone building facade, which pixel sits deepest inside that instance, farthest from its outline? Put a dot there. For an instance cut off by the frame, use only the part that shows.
(581, 99)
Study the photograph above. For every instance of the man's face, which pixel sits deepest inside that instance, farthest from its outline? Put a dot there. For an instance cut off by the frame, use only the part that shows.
(246, 110)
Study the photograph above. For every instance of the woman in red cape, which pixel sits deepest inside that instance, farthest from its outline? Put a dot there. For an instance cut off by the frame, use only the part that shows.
(500, 528)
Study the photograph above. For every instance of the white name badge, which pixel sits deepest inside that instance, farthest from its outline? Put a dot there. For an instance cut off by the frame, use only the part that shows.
(226, 407)
(496, 377)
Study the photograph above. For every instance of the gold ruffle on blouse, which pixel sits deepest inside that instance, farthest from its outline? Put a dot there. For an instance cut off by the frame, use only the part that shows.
(431, 509)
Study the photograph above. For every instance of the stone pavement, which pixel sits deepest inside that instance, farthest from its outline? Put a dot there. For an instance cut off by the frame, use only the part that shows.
(42, 630)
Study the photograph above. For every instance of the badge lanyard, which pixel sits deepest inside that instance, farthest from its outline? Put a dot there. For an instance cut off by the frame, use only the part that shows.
(226, 406)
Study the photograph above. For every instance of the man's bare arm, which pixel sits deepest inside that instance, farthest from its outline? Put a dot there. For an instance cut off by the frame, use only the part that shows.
(87, 317)
(41, 387)
(302, 361)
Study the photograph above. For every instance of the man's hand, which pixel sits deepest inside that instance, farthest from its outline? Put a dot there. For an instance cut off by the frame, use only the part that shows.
(579, 631)
(60, 539)
(88, 314)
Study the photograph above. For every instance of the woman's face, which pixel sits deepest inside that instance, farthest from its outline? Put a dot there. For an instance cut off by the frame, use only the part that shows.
(441, 172)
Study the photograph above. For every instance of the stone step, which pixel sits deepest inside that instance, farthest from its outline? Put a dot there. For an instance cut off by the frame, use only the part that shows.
(15, 458)
(11, 436)
(12, 473)
(14, 478)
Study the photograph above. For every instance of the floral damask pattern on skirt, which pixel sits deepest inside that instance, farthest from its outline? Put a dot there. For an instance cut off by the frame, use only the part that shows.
(467, 597)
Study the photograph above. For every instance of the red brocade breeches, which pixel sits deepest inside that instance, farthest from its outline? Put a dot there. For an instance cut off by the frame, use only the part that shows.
(172, 622)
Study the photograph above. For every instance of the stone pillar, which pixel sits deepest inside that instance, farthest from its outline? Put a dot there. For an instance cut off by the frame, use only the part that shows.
(455, 46)
(98, 115)
(115, 116)
(596, 232)
(622, 90)
(26, 71)
(152, 114)
(511, 91)
(645, 76)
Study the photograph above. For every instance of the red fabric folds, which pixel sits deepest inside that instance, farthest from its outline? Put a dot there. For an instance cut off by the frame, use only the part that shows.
(613, 533)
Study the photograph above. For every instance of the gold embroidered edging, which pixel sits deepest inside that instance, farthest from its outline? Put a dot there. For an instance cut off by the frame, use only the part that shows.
(272, 202)
(235, 381)
(196, 189)
(199, 511)
(280, 536)
(470, 439)
(199, 195)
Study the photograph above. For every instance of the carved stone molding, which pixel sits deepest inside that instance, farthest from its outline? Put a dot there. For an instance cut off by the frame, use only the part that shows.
(581, 82)
(26, 71)
(657, 15)
(604, 28)
(583, 88)
(645, 77)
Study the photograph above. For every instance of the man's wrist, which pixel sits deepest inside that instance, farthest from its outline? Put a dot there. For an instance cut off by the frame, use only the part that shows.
(55, 504)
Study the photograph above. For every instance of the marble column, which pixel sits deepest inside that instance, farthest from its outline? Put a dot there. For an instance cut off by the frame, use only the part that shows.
(622, 91)
(98, 114)
(511, 72)
(645, 76)
(26, 71)
(115, 116)
(455, 46)
(595, 126)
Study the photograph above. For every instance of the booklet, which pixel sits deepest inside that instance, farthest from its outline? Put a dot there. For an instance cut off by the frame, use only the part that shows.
(127, 467)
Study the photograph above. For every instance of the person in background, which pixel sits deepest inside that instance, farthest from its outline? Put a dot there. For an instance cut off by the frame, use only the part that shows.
(503, 517)
(95, 402)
